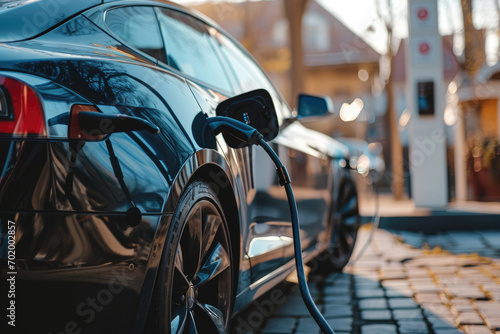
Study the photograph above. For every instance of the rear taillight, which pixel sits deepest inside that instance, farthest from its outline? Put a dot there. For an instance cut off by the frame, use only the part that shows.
(21, 112)
(4, 109)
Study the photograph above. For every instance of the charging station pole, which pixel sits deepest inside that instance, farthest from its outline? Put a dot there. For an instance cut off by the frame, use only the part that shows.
(425, 99)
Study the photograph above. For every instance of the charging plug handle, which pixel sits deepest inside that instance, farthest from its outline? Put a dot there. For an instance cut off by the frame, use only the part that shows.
(244, 133)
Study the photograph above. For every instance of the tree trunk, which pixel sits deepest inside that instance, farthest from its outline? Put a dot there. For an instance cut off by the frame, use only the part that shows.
(294, 10)
(475, 55)
(396, 148)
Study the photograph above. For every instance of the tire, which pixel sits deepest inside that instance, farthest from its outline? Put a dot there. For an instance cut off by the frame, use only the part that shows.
(194, 286)
(345, 225)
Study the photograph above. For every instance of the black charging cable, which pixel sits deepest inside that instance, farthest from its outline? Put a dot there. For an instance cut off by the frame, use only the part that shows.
(246, 134)
(285, 181)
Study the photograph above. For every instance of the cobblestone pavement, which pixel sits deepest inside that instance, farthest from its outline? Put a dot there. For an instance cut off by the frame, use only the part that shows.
(404, 283)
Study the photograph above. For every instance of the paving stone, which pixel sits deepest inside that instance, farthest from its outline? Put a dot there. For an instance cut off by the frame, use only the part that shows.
(488, 309)
(448, 331)
(292, 310)
(338, 278)
(369, 293)
(491, 287)
(400, 283)
(428, 297)
(340, 324)
(393, 275)
(421, 280)
(449, 291)
(379, 329)
(427, 288)
(337, 290)
(396, 303)
(373, 303)
(408, 314)
(477, 330)
(493, 322)
(416, 273)
(376, 315)
(436, 310)
(444, 271)
(337, 311)
(465, 291)
(413, 327)
(469, 318)
(279, 325)
(495, 296)
(441, 322)
(363, 280)
(337, 300)
(367, 283)
(399, 293)
(307, 325)
(459, 305)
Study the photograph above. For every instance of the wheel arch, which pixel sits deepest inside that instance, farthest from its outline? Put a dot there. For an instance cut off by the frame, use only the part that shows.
(210, 166)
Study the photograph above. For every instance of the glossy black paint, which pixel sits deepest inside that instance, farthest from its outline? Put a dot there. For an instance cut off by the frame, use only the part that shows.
(81, 263)
(26, 19)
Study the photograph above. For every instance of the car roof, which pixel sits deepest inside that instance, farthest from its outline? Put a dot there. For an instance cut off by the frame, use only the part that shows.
(171, 4)
(23, 19)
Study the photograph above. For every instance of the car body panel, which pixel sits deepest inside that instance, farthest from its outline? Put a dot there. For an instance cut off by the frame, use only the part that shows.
(27, 19)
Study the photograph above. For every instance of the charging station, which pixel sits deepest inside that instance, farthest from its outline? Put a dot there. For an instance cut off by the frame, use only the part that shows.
(425, 93)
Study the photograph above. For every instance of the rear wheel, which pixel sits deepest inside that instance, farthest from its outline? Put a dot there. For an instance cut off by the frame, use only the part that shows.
(195, 285)
(346, 222)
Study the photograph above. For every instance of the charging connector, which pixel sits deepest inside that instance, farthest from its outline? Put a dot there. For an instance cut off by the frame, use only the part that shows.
(245, 135)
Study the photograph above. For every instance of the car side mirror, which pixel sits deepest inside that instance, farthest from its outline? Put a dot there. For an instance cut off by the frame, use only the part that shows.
(255, 108)
(309, 105)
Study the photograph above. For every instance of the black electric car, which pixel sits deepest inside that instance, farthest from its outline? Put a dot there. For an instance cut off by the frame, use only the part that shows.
(150, 223)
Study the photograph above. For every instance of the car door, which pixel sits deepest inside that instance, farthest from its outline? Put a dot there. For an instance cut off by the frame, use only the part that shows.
(192, 50)
(216, 68)
(309, 168)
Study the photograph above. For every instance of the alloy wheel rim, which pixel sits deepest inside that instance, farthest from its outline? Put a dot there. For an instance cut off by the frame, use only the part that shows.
(346, 224)
(201, 285)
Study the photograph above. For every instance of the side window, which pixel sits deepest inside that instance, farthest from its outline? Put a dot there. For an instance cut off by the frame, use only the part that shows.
(189, 49)
(248, 74)
(138, 27)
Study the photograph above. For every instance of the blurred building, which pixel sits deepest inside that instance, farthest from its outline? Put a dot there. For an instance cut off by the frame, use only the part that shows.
(338, 63)
(473, 111)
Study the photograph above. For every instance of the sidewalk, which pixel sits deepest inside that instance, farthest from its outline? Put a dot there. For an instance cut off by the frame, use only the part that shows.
(403, 283)
(403, 215)
(389, 207)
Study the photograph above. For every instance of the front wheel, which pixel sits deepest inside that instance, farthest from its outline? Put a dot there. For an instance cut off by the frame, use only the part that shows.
(346, 222)
(194, 286)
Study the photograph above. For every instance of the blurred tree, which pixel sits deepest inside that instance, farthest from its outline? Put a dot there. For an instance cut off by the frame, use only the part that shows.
(474, 52)
(395, 142)
(294, 10)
